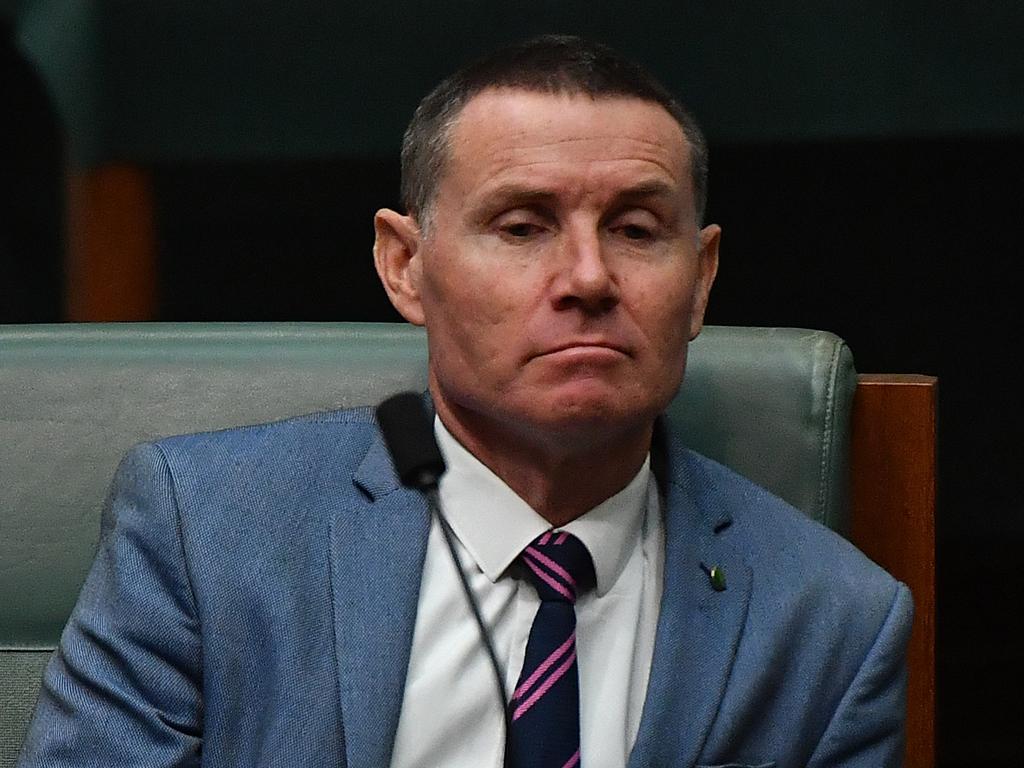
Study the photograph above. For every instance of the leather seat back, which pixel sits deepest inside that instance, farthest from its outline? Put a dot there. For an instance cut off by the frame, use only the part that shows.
(772, 403)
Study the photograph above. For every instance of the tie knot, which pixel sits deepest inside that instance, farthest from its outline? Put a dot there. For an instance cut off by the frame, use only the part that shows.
(559, 566)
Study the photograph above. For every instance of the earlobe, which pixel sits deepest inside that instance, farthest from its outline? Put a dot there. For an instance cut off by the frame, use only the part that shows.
(707, 269)
(396, 255)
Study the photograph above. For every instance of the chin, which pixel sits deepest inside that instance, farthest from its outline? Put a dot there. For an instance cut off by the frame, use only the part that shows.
(591, 415)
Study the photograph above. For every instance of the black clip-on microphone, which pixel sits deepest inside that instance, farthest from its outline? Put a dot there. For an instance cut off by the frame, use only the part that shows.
(409, 435)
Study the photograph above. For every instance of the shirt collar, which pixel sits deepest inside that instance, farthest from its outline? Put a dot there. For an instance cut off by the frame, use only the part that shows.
(494, 524)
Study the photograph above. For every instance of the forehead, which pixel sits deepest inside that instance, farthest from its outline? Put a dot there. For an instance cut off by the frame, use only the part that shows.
(505, 135)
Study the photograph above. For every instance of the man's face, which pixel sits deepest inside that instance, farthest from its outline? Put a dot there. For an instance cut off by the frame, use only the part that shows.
(563, 272)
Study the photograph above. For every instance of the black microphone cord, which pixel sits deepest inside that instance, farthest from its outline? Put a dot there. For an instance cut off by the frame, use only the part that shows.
(409, 434)
(485, 636)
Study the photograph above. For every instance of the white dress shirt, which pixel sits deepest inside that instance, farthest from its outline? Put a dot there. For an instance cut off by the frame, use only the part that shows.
(450, 716)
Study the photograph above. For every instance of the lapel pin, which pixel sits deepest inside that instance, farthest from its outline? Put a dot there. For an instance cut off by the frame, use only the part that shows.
(716, 576)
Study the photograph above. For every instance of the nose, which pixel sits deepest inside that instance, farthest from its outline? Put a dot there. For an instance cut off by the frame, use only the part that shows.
(585, 279)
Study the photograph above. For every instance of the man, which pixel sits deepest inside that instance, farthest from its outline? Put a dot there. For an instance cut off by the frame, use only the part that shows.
(270, 596)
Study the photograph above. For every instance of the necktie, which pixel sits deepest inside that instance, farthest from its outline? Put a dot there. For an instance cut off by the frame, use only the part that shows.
(545, 707)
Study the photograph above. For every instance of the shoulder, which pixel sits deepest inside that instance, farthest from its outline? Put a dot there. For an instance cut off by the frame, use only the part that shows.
(331, 438)
(822, 629)
(799, 565)
(237, 502)
(262, 476)
(765, 525)
(301, 429)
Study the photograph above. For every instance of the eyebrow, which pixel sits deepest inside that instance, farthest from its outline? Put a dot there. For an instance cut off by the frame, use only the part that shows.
(522, 194)
(648, 189)
(517, 192)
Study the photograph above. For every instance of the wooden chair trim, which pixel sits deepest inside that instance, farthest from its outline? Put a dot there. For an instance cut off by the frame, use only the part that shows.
(111, 272)
(893, 471)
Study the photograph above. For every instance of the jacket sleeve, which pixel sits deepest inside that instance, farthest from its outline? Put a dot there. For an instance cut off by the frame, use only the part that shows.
(124, 687)
(867, 728)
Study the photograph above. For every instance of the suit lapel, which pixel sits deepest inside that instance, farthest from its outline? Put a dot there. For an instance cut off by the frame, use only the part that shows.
(377, 552)
(699, 628)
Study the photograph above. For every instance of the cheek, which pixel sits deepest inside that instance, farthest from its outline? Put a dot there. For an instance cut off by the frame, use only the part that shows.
(470, 300)
(479, 287)
(665, 309)
(472, 312)
(670, 336)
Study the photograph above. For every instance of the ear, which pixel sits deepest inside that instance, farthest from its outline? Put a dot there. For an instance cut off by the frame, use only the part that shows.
(397, 256)
(707, 268)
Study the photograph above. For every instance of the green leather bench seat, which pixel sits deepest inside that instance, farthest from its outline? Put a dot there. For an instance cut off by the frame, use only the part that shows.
(772, 403)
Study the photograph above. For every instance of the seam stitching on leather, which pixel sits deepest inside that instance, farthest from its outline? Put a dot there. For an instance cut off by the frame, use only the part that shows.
(824, 484)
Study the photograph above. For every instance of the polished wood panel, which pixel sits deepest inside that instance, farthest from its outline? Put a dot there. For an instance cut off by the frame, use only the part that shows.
(893, 464)
(111, 253)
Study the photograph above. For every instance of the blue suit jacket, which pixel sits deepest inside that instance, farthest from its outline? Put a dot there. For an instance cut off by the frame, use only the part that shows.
(254, 596)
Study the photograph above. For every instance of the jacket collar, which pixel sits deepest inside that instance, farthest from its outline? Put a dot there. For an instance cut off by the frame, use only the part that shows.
(699, 625)
(377, 554)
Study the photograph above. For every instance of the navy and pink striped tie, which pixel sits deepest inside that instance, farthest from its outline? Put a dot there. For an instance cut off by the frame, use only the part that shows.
(545, 707)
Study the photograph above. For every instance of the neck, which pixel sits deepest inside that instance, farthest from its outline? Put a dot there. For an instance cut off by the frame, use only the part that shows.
(561, 476)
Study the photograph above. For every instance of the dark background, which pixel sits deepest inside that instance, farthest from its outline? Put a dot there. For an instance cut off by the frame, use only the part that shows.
(866, 167)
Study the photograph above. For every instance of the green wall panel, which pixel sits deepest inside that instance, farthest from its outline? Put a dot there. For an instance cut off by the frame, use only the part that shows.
(156, 80)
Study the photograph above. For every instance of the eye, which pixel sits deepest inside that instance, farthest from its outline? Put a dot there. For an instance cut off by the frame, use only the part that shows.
(521, 224)
(635, 232)
(520, 229)
(635, 224)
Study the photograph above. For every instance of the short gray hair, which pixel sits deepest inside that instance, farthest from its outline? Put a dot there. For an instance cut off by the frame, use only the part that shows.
(555, 64)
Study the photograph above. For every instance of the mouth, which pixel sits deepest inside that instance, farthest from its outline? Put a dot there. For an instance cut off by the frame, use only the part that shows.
(585, 347)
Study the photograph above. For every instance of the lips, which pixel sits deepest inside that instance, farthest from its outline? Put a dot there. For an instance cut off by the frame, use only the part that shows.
(585, 344)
